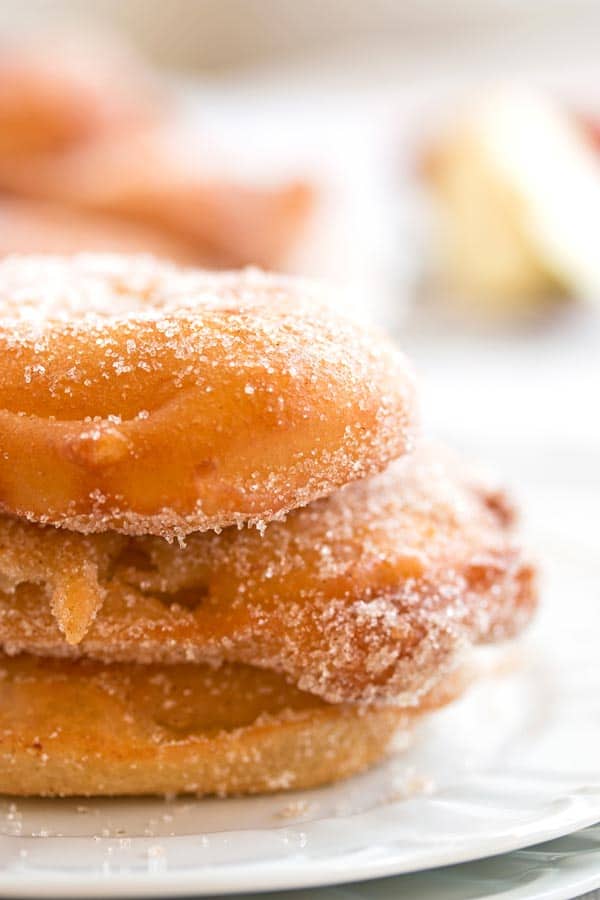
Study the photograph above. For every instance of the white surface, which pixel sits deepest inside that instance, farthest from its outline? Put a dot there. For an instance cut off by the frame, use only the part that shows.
(557, 870)
(514, 763)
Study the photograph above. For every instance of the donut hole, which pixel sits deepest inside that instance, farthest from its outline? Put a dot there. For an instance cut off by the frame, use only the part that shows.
(136, 567)
(135, 558)
(189, 598)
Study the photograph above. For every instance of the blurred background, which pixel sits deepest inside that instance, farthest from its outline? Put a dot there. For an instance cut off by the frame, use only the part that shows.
(438, 163)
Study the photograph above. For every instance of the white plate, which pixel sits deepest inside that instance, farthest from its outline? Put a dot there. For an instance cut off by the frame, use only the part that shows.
(565, 868)
(514, 763)
(557, 870)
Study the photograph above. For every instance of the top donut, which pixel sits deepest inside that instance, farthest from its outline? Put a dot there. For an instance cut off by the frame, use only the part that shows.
(147, 399)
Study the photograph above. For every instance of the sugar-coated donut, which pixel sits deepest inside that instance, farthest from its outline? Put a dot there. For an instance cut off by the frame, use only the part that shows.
(81, 728)
(368, 595)
(147, 399)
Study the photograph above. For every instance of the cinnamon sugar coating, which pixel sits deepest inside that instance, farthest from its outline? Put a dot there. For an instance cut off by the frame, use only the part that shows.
(368, 595)
(82, 728)
(148, 399)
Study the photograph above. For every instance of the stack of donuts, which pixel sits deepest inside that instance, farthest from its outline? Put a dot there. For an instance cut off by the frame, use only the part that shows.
(228, 563)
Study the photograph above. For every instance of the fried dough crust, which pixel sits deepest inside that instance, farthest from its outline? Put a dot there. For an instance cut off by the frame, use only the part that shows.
(82, 728)
(147, 399)
(367, 595)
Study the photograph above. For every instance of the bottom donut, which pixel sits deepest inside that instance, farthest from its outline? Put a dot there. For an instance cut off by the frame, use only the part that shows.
(84, 728)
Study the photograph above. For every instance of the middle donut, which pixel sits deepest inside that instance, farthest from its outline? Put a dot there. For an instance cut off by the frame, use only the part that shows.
(370, 594)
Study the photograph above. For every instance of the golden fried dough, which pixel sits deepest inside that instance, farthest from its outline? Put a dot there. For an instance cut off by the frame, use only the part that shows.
(67, 569)
(148, 399)
(369, 594)
(83, 728)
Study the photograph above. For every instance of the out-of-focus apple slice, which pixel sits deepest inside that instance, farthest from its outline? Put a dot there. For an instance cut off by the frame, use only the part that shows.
(516, 185)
